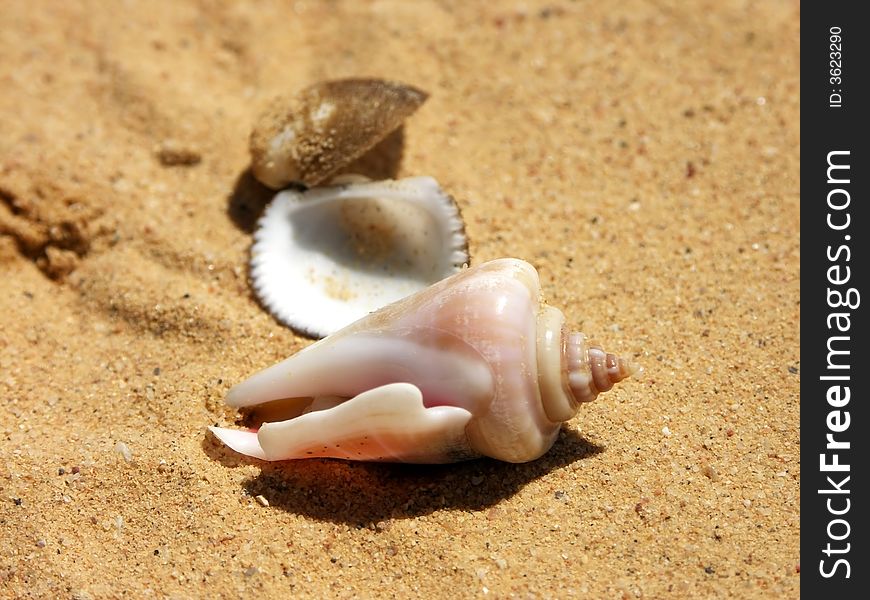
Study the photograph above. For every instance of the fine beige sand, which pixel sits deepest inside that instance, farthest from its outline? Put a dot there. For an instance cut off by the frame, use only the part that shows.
(642, 155)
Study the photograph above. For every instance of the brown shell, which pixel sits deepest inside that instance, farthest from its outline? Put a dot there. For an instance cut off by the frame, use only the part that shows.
(311, 135)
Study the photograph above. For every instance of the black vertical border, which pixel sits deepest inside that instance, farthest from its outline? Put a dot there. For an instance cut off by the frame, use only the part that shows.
(825, 129)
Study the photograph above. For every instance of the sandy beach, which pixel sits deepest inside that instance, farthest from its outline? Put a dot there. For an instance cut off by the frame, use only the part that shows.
(643, 156)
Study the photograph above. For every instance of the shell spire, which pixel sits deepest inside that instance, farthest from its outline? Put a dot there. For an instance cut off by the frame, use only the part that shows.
(591, 370)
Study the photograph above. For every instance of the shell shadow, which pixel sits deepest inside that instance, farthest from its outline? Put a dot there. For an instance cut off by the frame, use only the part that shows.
(250, 197)
(361, 494)
(248, 200)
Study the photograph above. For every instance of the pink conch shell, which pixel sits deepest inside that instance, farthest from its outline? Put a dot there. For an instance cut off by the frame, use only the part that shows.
(473, 365)
(309, 136)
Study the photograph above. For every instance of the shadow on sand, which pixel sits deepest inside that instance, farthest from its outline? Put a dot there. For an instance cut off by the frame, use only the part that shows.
(361, 494)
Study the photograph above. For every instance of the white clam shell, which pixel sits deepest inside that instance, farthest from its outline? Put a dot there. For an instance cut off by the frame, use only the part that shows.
(473, 365)
(328, 256)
